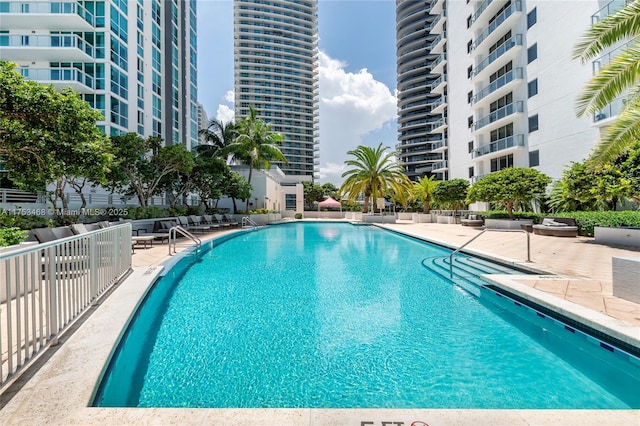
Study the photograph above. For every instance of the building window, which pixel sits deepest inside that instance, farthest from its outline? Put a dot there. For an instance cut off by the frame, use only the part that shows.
(470, 146)
(532, 53)
(471, 172)
(501, 163)
(532, 18)
(533, 123)
(469, 96)
(469, 44)
(532, 87)
(469, 71)
(534, 158)
(470, 121)
(468, 21)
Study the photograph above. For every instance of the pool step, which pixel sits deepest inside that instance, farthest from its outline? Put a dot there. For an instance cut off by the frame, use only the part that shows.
(466, 270)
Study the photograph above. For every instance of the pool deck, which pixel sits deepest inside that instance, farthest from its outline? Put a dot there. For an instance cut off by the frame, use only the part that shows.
(573, 275)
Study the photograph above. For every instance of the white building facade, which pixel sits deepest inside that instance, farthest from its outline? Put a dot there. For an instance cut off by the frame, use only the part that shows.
(505, 86)
(276, 72)
(136, 61)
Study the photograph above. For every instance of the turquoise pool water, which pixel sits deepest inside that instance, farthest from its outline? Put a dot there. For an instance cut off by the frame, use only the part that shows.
(340, 316)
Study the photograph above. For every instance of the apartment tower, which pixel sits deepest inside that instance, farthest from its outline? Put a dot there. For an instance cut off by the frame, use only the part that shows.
(275, 72)
(485, 85)
(133, 60)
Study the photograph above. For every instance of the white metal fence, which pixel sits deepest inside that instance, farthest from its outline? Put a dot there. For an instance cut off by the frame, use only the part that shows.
(44, 287)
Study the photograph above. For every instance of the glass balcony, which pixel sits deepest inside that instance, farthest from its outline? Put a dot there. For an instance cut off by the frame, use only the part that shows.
(603, 60)
(515, 7)
(608, 9)
(501, 81)
(57, 10)
(441, 165)
(61, 77)
(611, 110)
(500, 145)
(50, 46)
(498, 114)
(481, 8)
(516, 40)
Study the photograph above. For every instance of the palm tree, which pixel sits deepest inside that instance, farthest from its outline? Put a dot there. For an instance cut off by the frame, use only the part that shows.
(423, 190)
(255, 144)
(615, 78)
(218, 136)
(374, 174)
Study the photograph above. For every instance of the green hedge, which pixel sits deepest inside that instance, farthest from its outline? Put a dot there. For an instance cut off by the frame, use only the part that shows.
(586, 220)
(12, 236)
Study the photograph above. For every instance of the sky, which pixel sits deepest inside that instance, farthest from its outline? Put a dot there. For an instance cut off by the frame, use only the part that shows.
(357, 70)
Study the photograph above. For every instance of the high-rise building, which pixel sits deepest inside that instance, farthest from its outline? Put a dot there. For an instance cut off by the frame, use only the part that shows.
(275, 72)
(133, 60)
(485, 85)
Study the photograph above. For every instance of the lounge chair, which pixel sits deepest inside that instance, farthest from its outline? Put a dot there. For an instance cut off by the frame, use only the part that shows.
(557, 227)
(230, 221)
(196, 224)
(219, 220)
(207, 219)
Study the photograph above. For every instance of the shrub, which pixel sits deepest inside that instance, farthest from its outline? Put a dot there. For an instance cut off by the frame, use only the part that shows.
(298, 215)
(12, 236)
(586, 221)
(24, 221)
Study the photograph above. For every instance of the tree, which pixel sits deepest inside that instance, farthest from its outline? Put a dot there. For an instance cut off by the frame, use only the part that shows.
(330, 190)
(422, 191)
(236, 188)
(312, 193)
(218, 136)
(141, 165)
(48, 136)
(255, 144)
(210, 177)
(451, 194)
(614, 79)
(374, 173)
(508, 186)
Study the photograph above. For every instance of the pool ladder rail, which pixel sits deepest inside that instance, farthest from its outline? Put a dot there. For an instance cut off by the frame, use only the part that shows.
(173, 236)
(247, 222)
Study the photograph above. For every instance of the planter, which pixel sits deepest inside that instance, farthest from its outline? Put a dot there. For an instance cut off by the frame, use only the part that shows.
(379, 218)
(626, 271)
(506, 223)
(617, 236)
(405, 216)
(452, 220)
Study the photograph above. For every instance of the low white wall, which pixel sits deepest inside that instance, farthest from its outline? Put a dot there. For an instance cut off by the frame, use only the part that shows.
(626, 271)
(323, 215)
(379, 219)
(617, 236)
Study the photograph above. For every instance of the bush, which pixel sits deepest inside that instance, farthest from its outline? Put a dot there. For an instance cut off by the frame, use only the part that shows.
(152, 212)
(24, 221)
(298, 215)
(586, 221)
(12, 236)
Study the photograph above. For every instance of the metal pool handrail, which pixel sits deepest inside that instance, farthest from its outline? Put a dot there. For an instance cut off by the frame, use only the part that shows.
(173, 235)
(247, 220)
(478, 235)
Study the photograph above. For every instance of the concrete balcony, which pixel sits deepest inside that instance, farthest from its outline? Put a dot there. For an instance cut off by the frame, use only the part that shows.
(502, 146)
(61, 78)
(506, 51)
(498, 115)
(505, 17)
(53, 16)
(503, 81)
(52, 48)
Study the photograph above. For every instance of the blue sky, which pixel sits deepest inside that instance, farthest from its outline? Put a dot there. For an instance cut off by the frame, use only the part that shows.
(357, 74)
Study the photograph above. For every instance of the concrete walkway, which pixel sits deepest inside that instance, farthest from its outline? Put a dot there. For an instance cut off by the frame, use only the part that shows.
(59, 391)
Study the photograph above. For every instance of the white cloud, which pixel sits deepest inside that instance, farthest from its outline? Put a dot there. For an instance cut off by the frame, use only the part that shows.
(351, 105)
(225, 114)
(230, 96)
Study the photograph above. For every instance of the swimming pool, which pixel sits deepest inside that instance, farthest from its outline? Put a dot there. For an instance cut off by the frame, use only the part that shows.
(335, 315)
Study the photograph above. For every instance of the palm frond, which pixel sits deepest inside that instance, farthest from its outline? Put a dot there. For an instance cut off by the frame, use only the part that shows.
(619, 136)
(622, 24)
(612, 80)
